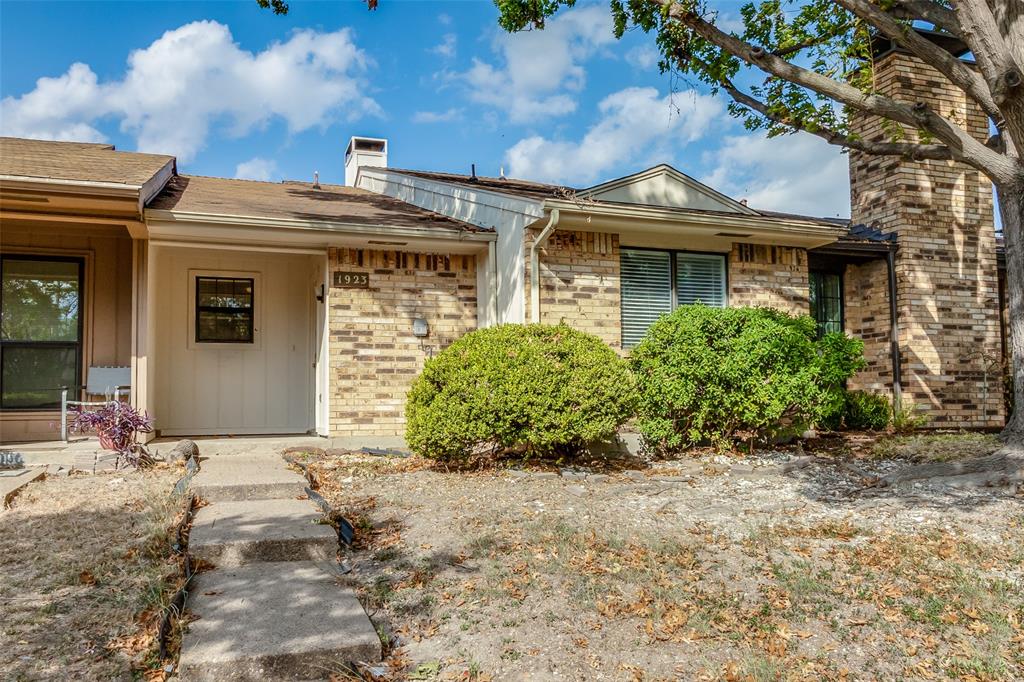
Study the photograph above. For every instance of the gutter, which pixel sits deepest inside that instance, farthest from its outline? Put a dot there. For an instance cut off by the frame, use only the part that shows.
(228, 220)
(535, 264)
(894, 330)
(634, 213)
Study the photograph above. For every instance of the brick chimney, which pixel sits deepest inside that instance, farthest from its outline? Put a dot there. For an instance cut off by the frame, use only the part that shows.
(947, 278)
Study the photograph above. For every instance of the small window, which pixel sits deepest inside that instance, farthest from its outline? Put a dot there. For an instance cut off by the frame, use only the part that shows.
(827, 301)
(656, 282)
(224, 309)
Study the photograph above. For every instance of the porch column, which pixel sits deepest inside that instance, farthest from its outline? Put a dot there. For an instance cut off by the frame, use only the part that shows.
(142, 392)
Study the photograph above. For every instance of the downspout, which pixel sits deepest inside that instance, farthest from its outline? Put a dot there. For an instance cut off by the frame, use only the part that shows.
(535, 265)
(492, 257)
(894, 331)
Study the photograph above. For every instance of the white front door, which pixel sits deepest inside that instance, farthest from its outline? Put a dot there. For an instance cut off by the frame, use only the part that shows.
(234, 346)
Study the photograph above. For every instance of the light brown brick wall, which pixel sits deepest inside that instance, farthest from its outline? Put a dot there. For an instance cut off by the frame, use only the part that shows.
(374, 355)
(866, 313)
(579, 282)
(946, 263)
(772, 276)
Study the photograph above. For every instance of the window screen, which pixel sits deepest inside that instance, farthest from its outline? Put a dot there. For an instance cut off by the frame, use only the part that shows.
(224, 309)
(655, 282)
(646, 278)
(827, 301)
(700, 278)
(41, 337)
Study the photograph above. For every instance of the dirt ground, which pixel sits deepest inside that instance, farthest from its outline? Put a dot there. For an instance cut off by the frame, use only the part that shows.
(780, 566)
(82, 562)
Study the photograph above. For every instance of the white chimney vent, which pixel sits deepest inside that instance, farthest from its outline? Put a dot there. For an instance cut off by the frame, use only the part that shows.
(364, 151)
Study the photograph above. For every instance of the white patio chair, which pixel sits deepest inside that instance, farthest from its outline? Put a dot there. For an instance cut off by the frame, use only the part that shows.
(109, 382)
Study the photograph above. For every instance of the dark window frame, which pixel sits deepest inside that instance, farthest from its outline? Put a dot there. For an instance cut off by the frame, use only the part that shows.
(816, 282)
(674, 274)
(251, 308)
(77, 346)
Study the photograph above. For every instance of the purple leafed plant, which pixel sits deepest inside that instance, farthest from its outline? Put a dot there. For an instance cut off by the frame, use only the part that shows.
(117, 424)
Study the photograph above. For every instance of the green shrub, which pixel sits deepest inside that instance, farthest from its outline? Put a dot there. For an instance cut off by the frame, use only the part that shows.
(535, 389)
(867, 411)
(713, 374)
(858, 410)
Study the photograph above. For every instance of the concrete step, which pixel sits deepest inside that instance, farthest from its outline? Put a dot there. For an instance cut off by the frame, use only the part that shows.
(280, 620)
(229, 478)
(238, 533)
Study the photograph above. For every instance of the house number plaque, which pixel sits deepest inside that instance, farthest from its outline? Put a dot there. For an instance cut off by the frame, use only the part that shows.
(352, 280)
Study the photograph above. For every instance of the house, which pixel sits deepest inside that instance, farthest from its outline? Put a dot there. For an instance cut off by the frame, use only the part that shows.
(250, 307)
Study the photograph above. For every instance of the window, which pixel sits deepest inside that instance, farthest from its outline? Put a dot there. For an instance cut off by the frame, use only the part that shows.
(224, 309)
(40, 329)
(827, 301)
(655, 282)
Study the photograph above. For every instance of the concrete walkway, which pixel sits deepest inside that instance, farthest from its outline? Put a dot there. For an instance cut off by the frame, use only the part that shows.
(272, 608)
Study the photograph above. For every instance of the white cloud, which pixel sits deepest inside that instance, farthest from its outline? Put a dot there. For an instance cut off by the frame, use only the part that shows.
(256, 169)
(446, 48)
(537, 73)
(196, 76)
(636, 126)
(447, 116)
(643, 57)
(444, 19)
(796, 173)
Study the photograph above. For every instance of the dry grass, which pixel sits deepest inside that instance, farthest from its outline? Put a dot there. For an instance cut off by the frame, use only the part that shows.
(486, 576)
(937, 447)
(84, 563)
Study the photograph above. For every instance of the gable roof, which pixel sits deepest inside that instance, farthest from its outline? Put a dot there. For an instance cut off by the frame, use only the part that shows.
(716, 203)
(293, 200)
(663, 185)
(79, 162)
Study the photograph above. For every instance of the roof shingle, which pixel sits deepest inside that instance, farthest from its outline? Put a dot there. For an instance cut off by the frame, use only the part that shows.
(296, 201)
(78, 161)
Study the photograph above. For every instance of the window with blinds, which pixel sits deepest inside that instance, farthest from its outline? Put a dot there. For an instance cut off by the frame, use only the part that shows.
(655, 282)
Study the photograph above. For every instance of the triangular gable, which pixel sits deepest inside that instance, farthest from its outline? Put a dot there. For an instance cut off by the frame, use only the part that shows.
(663, 185)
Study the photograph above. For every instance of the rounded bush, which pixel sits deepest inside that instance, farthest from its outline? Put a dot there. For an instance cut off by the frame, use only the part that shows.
(531, 389)
(715, 374)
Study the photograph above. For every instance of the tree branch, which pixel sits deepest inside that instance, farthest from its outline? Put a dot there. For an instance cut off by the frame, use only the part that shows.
(972, 151)
(909, 150)
(927, 10)
(996, 60)
(959, 73)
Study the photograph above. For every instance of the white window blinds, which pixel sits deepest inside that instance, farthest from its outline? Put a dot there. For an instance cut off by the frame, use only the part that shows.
(655, 282)
(646, 291)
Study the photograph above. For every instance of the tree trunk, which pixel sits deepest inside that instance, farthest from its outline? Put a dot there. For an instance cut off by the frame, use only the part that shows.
(1011, 208)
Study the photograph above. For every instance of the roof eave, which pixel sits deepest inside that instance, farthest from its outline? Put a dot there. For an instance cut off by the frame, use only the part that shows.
(298, 224)
(623, 218)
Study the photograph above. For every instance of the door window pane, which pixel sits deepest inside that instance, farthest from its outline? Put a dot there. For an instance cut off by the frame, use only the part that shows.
(40, 300)
(33, 375)
(224, 309)
(646, 279)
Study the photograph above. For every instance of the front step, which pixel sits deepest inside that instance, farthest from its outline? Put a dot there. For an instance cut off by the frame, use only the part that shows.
(274, 621)
(236, 533)
(234, 478)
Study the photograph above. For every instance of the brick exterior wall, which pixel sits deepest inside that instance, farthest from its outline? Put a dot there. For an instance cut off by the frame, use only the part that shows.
(866, 317)
(579, 282)
(772, 276)
(946, 263)
(374, 356)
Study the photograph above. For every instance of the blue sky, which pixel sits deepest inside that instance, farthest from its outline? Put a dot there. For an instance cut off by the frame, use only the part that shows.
(235, 91)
